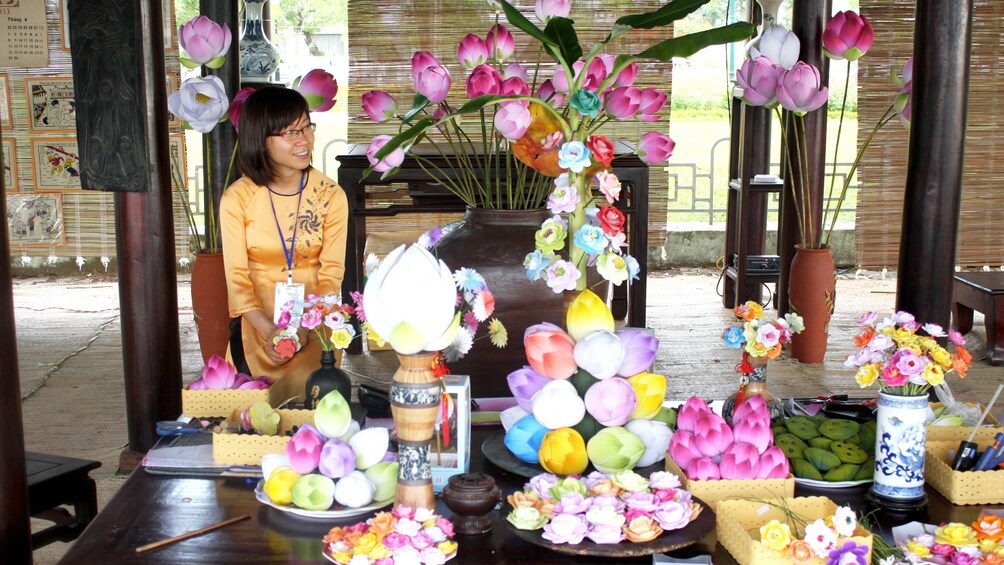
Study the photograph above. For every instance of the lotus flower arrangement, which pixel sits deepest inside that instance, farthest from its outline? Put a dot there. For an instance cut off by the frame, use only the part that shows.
(899, 360)
(218, 374)
(403, 535)
(604, 509)
(586, 395)
(820, 541)
(332, 464)
(706, 448)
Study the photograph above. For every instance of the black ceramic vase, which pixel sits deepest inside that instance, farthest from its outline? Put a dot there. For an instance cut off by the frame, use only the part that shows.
(326, 379)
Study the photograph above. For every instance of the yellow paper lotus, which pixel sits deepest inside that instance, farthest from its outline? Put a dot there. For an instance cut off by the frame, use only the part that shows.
(279, 486)
(586, 314)
(651, 391)
(563, 452)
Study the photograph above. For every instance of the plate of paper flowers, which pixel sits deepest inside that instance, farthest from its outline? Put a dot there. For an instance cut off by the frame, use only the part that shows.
(402, 535)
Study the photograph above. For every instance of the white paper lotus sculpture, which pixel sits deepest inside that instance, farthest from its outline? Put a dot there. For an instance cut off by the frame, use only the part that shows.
(411, 301)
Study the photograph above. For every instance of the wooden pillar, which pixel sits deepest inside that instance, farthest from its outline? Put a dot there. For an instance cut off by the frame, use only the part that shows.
(148, 286)
(808, 20)
(15, 523)
(933, 195)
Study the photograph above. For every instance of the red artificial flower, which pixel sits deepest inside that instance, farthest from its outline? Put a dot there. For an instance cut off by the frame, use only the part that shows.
(602, 149)
(611, 220)
(285, 348)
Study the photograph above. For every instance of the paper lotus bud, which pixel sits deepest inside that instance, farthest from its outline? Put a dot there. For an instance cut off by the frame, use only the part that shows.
(353, 430)
(740, 461)
(588, 427)
(201, 102)
(216, 375)
(615, 449)
(600, 353)
(304, 449)
(567, 485)
(280, 483)
(651, 391)
(712, 435)
(510, 416)
(640, 348)
(691, 411)
(752, 407)
(703, 469)
(337, 459)
(410, 301)
(582, 381)
(270, 462)
(682, 448)
(383, 475)
(656, 437)
(558, 405)
(314, 492)
(563, 452)
(550, 351)
(523, 384)
(526, 518)
(586, 314)
(354, 490)
(370, 445)
(318, 88)
(611, 401)
(666, 416)
(773, 464)
(205, 42)
(523, 439)
(332, 416)
(264, 419)
(755, 432)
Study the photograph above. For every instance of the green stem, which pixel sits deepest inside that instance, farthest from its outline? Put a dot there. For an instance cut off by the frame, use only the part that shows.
(178, 185)
(577, 219)
(791, 171)
(836, 144)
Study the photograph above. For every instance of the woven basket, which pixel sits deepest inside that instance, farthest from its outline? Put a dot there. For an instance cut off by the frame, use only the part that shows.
(739, 521)
(962, 487)
(711, 492)
(219, 403)
(248, 449)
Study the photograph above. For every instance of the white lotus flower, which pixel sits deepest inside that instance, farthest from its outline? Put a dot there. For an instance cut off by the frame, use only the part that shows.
(558, 405)
(354, 490)
(656, 437)
(600, 354)
(370, 446)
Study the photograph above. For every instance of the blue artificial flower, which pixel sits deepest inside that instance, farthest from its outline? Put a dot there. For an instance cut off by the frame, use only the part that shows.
(734, 337)
(591, 239)
(535, 263)
(468, 280)
(587, 102)
(574, 156)
(634, 269)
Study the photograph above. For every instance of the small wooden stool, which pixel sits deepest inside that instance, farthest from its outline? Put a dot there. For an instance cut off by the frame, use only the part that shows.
(982, 291)
(54, 481)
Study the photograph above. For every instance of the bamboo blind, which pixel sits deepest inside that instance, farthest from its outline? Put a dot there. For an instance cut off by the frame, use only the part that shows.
(384, 36)
(883, 168)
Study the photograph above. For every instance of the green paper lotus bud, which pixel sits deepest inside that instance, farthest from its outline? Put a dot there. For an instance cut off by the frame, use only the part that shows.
(666, 416)
(354, 490)
(615, 449)
(568, 485)
(332, 417)
(280, 483)
(370, 446)
(383, 475)
(314, 492)
(264, 419)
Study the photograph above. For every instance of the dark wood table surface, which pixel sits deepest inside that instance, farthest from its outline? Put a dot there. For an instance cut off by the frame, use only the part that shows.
(149, 508)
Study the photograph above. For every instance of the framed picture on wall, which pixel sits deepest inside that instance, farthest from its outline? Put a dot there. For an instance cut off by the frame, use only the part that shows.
(51, 106)
(6, 121)
(64, 24)
(35, 220)
(56, 164)
(173, 81)
(9, 151)
(179, 168)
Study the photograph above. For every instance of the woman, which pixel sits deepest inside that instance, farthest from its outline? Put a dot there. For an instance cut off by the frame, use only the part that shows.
(284, 228)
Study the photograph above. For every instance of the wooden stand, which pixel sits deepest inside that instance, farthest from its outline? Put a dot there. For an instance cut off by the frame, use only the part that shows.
(414, 400)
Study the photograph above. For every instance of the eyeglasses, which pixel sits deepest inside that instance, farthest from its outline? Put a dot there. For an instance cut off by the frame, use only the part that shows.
(291, 134)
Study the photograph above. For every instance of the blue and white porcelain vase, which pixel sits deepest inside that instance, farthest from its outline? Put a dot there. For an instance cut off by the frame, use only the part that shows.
(900, 443)
(259, 58)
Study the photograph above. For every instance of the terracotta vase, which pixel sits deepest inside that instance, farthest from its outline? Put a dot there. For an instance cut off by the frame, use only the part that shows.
(414, 397)
(209, 304)
(811, 294)
(754, 383)
(495, 242)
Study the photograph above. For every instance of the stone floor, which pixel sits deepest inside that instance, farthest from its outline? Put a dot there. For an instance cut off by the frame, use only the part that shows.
(69, 353)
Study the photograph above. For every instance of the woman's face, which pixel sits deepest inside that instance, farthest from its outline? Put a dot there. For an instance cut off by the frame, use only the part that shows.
(290, 148)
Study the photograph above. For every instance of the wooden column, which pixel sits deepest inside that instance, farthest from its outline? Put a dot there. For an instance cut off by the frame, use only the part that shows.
(808, 20)
(15, 523)
(933, 195)
(148, 285)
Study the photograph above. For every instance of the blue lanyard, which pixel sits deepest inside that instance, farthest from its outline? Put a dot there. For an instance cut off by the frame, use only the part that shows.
(288, 251)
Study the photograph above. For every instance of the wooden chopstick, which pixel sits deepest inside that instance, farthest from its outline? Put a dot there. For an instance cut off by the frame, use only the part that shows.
(198, 532)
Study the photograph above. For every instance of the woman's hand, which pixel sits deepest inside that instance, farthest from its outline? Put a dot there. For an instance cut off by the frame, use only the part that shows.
(268, 332)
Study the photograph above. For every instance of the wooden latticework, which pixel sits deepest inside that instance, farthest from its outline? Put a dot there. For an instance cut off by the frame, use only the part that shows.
(883, 168)
(385, 35)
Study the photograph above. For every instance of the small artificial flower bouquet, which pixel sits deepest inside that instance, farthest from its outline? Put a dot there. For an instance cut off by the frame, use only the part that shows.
(953, 543)
(757, 337)
(328, 318)
(604, 509)
(823, 540)
(902, 361)
(403, 535)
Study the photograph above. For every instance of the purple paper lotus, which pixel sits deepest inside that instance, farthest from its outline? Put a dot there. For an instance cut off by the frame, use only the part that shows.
(682, 449)
(566, 528)
(611, 500)
(691, 411)
(542, 484)
(740, 461)
(640, 348)
(773, 464)
(572, 503)
(644, 501)
(304, 449)
(712, 435)
(753, 407)
(672, 515)
(605, 534)
(337, 459)
(255, 384)
(611, 401)
(754, 432)
(524, 383)
(660, 480)
(703, 469)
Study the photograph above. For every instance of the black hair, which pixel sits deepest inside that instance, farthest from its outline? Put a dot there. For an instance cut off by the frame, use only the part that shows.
(266, 112)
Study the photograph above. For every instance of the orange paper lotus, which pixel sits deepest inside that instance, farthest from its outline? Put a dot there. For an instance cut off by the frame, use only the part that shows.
(563, 452)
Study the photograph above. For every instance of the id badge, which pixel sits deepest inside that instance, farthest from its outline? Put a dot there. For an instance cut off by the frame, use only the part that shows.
(284, 293)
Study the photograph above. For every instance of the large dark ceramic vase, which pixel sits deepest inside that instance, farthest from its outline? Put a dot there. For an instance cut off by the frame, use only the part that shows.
(494, 242)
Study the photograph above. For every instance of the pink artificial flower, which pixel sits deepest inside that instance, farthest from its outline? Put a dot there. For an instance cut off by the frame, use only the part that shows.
(712, 435)
(672, 515)
(623, 102)
(515, 86)
(847, 36)
(205, 41)
(627, 75)
(773, 464)
(547, 93)
(434, 83)
(868, 318)
(484, 79)
(800, 89)
(254, 384)
(652, 100)
(547, 9)
(380, 106)
(561, 81)
(755, 432)
(908, 363)
(500, 42)
(703, 469)
(655, 147)
(472, 51)
(310, 319)
(512, 121)
(595, 75)
(692, 410)
(892, 377)
(304, 449)
(319, 88)
(682, 449)
(420, 61)
(403, 511)
(391, 161)
(218, 374)
(759, 79)
(514, 70)
(550, 352)
(740, 461)
(395, 540)
(752, 408)
(956, 338)
(238, 104)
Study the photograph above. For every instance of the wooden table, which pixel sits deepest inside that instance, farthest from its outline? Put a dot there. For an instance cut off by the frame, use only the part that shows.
(149, 508)
(54, 481)
(984, 292)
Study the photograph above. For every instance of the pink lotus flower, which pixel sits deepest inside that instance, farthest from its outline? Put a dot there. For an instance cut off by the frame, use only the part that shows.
(434, 83)
(561, 79)
(420, 61)
(753, 407)
(652, 100)
(319, 88)
(204, 41)
(238, 104)
(755, 432)
(524, 383)
(847, 36)
(758, 79)
(740, 461)
(690, 413)
(514, 70)
(550, 352)
(800, 90)
(623, 102)
(391, 161)
(512, 121)
(472, 51)
(216, 375)
(682, 449)
(304, 449)
(515, 86)
(547, 93)
(627, 75)
(773, 464)
(655, 147)
(262, 383)
(547, 9)
(703, 469)
(640, 348)
(484, 79)
(595, 75)
(712, 435)
(611, 401)
(379, 105)
(500, 42)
